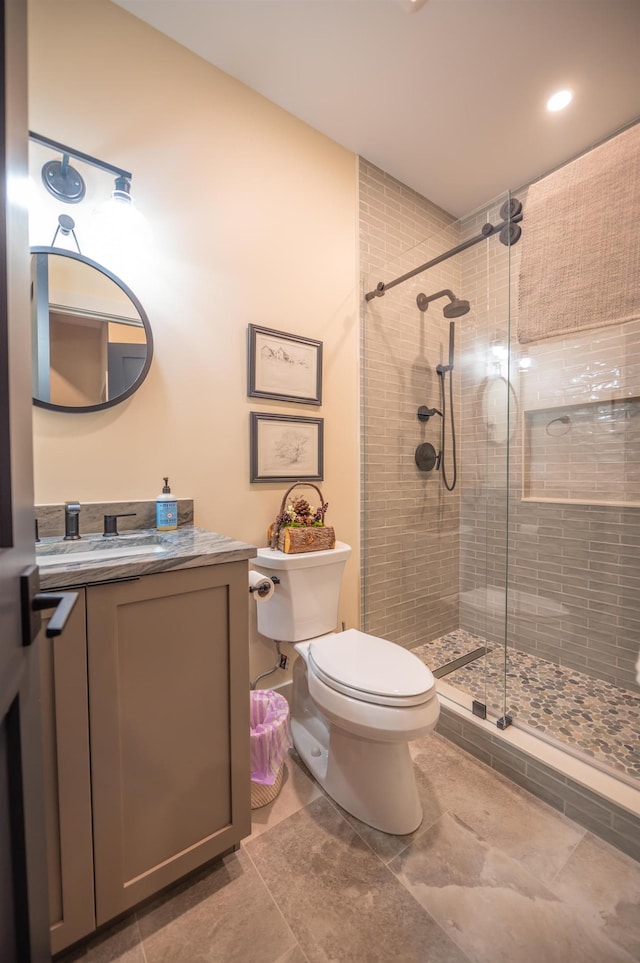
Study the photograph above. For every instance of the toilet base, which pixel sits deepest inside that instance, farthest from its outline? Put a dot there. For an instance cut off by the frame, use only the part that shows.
(374, 781)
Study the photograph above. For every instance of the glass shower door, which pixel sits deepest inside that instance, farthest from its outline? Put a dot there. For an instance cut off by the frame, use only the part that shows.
(435, 555)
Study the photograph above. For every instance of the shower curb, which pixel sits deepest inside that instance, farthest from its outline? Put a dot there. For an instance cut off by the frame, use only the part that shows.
(618, 825)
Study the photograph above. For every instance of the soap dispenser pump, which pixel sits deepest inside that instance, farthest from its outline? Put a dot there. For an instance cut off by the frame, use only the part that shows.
(166, 510)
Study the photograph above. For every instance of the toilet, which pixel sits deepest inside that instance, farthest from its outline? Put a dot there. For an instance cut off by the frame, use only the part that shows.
(358, 700)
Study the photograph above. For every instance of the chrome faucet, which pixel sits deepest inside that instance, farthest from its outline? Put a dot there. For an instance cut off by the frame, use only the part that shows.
(71, 520)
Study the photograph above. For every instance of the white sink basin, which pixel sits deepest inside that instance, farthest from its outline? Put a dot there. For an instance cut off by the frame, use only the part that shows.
(98, 554)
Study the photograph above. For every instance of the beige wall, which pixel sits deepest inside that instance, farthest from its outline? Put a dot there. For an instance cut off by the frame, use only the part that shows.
(254, 220)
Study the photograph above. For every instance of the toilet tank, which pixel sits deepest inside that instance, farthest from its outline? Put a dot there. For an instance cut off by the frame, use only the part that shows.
(305, 603)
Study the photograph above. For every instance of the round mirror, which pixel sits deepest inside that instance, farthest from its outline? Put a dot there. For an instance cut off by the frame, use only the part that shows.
(91, 339)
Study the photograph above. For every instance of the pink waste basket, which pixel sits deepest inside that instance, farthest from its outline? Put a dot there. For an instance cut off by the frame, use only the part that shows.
(270, 742)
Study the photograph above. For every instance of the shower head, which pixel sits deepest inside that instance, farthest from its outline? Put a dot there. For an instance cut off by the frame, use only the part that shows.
(456, 309)
(453, 310)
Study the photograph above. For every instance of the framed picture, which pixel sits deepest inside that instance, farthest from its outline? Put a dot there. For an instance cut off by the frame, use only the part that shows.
(284, 367)
(286, 448)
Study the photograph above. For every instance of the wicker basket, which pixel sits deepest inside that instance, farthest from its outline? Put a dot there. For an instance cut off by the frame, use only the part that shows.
(263, 795)
(312, 538)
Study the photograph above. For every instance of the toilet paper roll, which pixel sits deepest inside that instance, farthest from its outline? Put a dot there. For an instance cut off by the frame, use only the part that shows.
(260, 586)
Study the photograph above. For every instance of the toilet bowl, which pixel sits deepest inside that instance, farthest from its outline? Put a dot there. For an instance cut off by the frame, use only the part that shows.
(357, 702)
(357, 699)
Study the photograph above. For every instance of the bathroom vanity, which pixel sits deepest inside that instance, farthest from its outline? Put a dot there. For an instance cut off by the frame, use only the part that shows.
(146, 720)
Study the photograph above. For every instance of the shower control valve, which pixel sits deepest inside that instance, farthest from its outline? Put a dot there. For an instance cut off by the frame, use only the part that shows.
(427, 458)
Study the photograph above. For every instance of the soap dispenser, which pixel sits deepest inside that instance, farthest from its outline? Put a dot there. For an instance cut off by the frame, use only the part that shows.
(166, 510)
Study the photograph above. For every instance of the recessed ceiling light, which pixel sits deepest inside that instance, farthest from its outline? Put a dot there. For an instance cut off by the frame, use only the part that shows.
(560, 100)
(412, 5)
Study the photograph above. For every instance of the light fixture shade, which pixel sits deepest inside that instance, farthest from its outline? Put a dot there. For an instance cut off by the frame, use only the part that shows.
(117, 228)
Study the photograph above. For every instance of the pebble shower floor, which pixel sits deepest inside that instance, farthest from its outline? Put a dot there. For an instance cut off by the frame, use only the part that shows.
(600, 719)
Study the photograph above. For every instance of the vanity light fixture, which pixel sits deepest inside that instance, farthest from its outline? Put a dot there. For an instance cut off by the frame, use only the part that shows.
(65, 183)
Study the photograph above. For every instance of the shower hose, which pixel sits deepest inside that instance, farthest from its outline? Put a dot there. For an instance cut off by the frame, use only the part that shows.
(448, 486)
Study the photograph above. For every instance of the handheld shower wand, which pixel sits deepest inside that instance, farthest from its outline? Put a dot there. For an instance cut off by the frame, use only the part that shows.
(442, 368)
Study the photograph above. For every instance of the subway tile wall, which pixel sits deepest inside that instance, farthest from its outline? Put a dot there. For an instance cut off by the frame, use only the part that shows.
(410, 524)
(585, 452)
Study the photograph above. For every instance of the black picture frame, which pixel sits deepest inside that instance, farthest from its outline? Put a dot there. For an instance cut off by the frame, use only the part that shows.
(283, 367)
(285, 448)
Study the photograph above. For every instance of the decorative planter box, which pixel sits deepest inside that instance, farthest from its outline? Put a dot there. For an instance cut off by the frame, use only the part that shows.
(301, 538)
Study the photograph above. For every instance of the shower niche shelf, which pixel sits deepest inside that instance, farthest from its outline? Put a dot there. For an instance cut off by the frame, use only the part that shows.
(583, 454)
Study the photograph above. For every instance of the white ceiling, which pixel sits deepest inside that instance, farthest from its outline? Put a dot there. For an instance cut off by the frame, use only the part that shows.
(448, 98)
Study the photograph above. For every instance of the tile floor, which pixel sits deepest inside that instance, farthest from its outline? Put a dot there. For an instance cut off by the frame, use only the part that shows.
(492, 875)
(598, 718)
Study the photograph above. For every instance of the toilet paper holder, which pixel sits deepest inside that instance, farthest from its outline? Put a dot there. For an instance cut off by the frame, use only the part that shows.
(260, 588)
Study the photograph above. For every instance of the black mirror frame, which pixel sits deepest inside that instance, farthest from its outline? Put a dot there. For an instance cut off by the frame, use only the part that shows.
(143, 317)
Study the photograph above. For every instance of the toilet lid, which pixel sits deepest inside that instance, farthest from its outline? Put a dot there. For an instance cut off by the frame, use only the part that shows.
(371, 669)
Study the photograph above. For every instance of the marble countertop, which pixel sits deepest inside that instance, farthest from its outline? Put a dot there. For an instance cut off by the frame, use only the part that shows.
(186, 547)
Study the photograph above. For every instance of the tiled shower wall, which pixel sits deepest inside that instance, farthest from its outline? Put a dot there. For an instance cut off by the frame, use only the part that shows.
(410, 523)
(573, 574)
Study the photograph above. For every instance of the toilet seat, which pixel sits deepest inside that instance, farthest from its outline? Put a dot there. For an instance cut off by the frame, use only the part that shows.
(370, 669)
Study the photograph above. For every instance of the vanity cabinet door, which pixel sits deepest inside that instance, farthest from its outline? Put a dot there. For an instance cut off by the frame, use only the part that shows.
(169, 715)
(67, 789)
